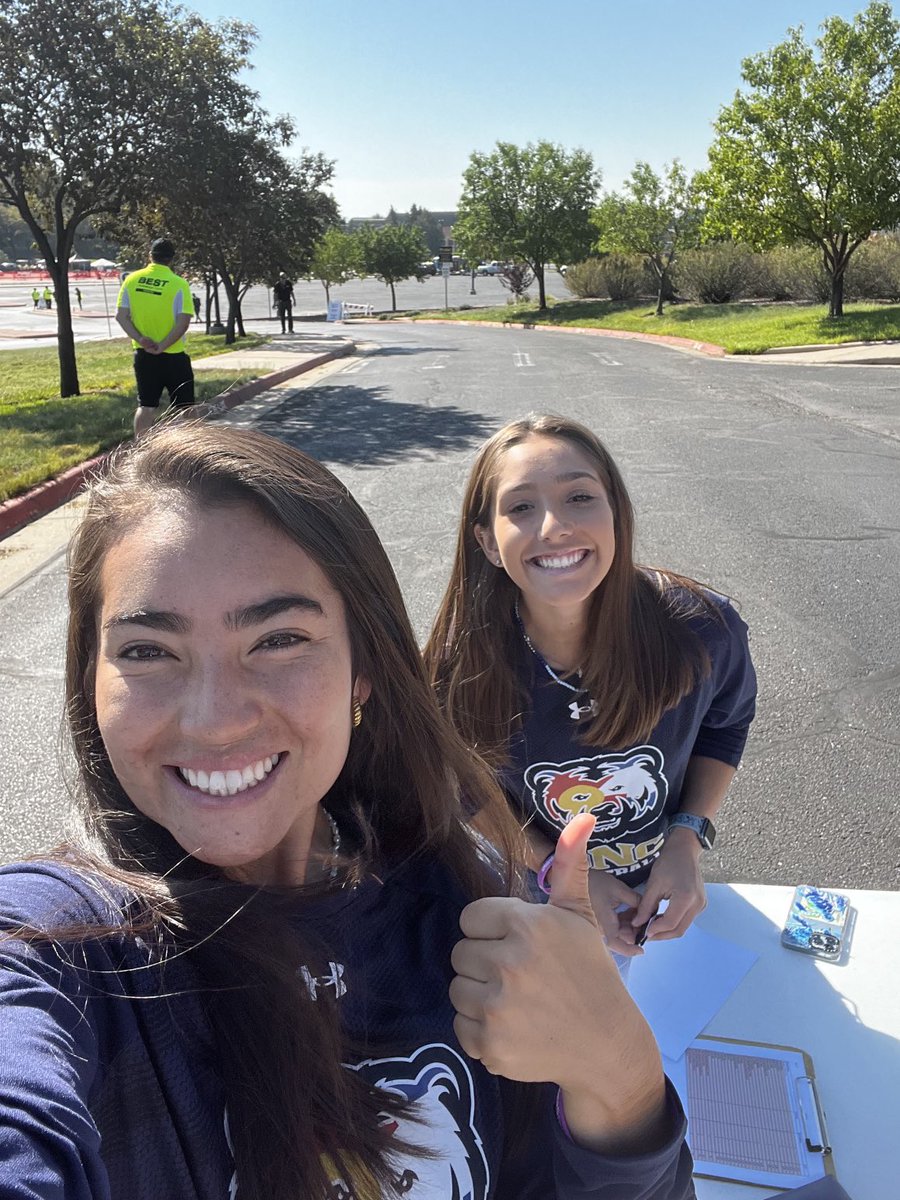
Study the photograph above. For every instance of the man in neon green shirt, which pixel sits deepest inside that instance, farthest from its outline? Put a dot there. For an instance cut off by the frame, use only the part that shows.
(155, 309)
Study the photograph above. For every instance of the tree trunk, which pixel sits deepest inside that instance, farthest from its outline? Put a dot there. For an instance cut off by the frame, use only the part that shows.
(327, 293)
(208, 305)
(661, 294)
(836, 255)
(836, 302)
(65, 338)
(393, 298)
(542, 295)
(242, 292)
(231, 294)
(218, 320)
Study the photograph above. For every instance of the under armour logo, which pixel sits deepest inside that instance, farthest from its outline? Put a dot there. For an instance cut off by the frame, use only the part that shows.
(334, 978)
(582, 710)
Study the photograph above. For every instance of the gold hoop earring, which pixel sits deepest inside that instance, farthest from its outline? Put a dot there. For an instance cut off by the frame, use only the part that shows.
(357, 713)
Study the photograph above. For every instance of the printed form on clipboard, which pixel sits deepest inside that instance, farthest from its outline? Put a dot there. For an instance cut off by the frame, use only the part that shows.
(753, 1112)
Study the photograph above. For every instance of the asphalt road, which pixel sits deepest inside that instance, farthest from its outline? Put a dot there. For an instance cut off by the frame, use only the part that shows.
(780, 485)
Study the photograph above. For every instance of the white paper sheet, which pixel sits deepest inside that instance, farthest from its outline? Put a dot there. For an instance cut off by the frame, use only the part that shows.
(750, 1110)
(680, 985)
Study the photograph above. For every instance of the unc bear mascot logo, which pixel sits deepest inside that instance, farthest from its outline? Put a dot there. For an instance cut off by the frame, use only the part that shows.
(625, 792)
(437, 1083)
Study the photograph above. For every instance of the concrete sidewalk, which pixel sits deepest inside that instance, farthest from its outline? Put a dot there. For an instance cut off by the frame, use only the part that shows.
(286, 351)
(847, 354)
(280, 360)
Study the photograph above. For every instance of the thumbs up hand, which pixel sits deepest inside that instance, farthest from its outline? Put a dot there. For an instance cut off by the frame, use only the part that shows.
(538, 998)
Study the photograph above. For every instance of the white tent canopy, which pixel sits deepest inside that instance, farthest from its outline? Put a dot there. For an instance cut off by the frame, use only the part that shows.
(102, 263)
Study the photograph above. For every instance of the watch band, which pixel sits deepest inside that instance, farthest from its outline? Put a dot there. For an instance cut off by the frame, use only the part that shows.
(702, 827)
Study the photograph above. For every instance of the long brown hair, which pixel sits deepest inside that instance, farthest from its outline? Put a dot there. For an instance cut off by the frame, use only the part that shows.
(640, 659)
(292, 1107)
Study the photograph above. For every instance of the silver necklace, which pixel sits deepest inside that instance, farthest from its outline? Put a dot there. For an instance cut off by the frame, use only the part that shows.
(335, 842)
(576, 710)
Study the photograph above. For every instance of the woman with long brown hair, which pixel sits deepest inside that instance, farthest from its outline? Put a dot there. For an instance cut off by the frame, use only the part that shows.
(591, 683)
(274, 962)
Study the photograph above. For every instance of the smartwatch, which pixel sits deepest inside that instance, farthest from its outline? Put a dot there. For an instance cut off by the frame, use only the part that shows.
(702, 826)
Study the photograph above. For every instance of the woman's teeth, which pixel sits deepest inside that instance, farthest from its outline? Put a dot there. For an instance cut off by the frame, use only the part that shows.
(228, 783)
(559, 561)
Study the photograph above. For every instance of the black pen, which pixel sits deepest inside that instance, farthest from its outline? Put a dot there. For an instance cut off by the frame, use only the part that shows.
(640, 934)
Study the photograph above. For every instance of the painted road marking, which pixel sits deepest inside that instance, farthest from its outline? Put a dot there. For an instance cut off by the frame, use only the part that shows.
(437, 365)
(521, 359)
(606, 359)
(356, 366)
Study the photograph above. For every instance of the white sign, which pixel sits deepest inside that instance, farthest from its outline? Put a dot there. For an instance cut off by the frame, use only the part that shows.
(335, 310)
(445, 269)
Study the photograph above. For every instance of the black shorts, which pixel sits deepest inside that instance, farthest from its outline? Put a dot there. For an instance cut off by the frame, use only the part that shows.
(155, 372)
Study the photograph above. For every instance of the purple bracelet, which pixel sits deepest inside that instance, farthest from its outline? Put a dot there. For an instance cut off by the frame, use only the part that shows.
(561, 1116)
(546, 867)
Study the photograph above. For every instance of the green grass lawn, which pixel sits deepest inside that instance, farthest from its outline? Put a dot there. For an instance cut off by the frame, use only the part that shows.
(42, 434)
(740, 328)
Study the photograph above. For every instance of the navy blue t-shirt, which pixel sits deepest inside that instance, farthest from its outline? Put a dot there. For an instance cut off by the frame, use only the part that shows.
(552, 776)
(108, 1086)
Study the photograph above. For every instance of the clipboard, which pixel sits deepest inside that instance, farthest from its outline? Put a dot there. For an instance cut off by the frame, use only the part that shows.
(754, 1113)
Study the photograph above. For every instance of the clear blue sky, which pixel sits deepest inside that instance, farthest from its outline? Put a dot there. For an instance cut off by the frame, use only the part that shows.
(401, 93)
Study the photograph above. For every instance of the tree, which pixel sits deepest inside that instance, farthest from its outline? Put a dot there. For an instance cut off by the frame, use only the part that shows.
(811, 151)
(267, 220)
(654, 216)
(428, 223)
(93, 98)
(335, 259)
(392, 253)
(527, 204)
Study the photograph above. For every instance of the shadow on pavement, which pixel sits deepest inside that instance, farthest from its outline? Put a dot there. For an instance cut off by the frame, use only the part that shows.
(359, 426)
(387, 351)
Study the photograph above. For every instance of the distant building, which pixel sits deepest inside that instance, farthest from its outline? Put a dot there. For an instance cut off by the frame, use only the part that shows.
(445, 220)
(357, 223)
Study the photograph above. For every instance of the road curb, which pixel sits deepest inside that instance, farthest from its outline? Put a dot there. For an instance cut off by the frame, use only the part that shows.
(246, 391)
(22, 510)
(709, 349)
(821, 347)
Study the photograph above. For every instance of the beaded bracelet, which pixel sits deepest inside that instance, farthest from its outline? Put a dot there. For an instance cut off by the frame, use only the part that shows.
(546, 867)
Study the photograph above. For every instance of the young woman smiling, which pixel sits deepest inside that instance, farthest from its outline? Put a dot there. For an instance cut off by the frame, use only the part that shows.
(591, 683)
(275, 962)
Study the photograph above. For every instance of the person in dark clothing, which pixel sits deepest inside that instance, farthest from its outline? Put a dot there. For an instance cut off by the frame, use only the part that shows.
(78, 298)
(592, 683)
(283, 291)
(279, 962)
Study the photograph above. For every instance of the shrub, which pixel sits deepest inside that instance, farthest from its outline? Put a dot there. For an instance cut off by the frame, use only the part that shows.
(874, 270)
(792, 273)
(586, 279)
(715, 274)
(624, 277)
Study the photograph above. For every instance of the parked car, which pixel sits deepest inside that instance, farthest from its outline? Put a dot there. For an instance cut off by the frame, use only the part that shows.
(489, 268)
(428, 268)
